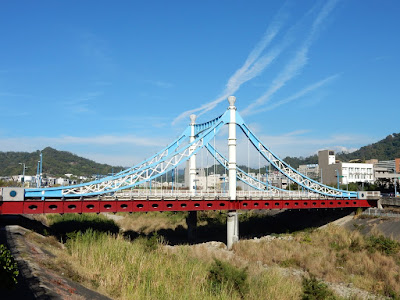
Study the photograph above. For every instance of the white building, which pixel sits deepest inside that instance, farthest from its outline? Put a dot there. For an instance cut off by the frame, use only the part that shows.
(331, 170)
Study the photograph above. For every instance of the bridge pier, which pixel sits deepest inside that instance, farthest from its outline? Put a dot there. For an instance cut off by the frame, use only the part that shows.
(191, 222)
(232, 228)
(232, 222)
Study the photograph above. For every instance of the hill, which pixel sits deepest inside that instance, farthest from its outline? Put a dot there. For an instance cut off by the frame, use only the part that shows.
(386, 149)
(55, 163)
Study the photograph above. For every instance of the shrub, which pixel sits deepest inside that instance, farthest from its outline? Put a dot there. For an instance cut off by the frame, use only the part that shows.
(224, 274)
(8, 269)
(314, 289)
(382, 244)
(152, 243)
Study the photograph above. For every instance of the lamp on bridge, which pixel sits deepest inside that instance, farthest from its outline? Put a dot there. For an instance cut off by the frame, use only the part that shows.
(195, 185)
(223, 178)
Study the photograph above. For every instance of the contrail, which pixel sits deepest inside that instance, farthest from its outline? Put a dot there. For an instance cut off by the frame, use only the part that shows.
(252, 67)
(300, 94)
(296, 64)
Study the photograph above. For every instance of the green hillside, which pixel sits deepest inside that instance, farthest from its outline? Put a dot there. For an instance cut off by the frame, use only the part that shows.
(55, 163)
(386, 149)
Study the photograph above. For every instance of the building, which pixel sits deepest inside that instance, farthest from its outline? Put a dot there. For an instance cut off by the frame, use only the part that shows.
(333, 171)
(387, 171)
(310, 170)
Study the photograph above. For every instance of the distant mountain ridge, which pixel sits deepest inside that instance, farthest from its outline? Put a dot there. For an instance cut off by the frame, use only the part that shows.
(55, 163)
(58, 163)
(386, 149)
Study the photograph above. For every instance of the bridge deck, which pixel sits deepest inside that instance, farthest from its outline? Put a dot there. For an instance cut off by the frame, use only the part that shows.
(108, 204)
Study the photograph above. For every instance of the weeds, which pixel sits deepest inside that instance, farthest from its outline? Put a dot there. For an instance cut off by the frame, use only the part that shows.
(222, 274)
(8, 269)
(314, 289)
(383, 244)
(333, 254)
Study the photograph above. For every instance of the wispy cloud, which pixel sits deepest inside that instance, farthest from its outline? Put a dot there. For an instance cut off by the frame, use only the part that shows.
(254, 65)
(98, 51)
(160, 84)
(82, 104)
(297, 63)
(307, 90)
(10, 94)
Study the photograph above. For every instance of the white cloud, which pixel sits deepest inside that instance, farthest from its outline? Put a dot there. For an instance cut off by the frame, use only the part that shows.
(254, 65)
(296, 64)
(307, 90)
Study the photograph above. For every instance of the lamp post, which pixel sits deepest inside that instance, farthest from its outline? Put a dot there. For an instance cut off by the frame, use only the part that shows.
(195, 186)
(338, 180)
(223, 178)
(23, 172)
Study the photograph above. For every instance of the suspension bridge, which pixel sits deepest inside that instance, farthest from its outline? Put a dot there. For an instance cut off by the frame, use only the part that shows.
(121, 193)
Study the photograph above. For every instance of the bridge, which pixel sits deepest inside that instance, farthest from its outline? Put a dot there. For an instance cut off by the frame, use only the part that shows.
(121, 193)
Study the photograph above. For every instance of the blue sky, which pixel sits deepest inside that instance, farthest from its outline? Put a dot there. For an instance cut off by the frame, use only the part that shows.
(116, 81)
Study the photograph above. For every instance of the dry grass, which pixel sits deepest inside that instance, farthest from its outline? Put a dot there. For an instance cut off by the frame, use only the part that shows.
(129, 270)
(334, 254)
(265, 283)
(147, 223)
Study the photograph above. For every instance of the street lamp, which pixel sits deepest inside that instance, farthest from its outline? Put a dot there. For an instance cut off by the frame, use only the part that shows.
(195, 186)
(23, 172)
(223, 182)
(337, 175)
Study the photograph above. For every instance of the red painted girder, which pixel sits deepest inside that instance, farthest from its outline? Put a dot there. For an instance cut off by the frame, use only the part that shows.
(97, 206)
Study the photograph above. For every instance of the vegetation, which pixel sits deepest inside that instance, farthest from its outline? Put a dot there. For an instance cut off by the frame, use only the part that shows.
(69, 224)
(386, 149)
(141, 266)
(55, 163)
(8, 269)
(224, 275)
(314, 289)
(335, 255)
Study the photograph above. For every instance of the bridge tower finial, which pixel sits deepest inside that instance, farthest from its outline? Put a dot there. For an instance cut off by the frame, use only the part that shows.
(232, 100)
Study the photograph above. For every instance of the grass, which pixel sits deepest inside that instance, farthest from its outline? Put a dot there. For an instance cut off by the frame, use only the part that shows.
(334, 254)
(143, 268)
(147, 223)
(62, 225)
(102, 258)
